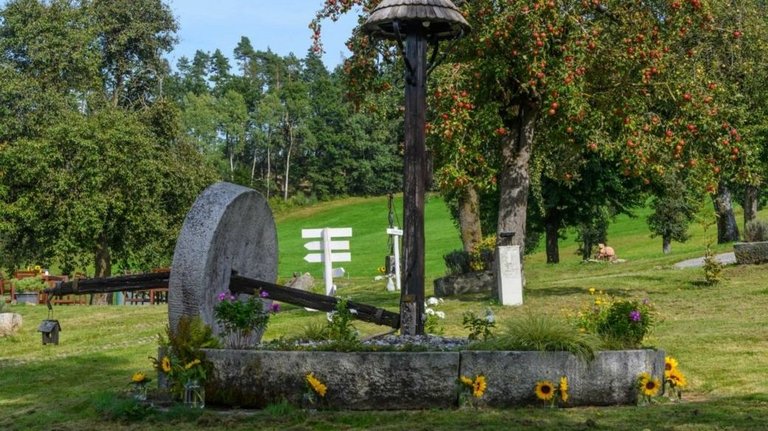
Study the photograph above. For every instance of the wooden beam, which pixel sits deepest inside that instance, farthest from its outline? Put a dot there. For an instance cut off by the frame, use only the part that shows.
(364, 312)
(123, 283)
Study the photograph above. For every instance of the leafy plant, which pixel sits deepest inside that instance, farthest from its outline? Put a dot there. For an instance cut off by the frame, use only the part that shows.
(241, 319)
(712, 267)
(625, 324)
(29, 284)
(756, 230)
(340, 326)
(541, 333)
(479, 327)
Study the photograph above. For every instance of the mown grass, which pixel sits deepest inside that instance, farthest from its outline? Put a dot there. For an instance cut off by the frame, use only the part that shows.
(718, 333)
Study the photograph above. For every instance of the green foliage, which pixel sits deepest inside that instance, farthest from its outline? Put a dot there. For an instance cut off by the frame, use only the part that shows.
(191, 335)
(674, 208)
(479, 327)
(479, 259)
(625, 324)
(340, 326)
(29, 284)
(117, 408)
(541, 332)
(712, 267)
(240, 319)
(756, 230)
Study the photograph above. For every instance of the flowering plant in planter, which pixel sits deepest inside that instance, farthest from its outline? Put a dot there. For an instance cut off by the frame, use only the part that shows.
(621, 324)
(242, 319)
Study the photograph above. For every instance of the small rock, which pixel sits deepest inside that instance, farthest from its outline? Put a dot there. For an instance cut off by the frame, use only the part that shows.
(10, 323)
(302, 282)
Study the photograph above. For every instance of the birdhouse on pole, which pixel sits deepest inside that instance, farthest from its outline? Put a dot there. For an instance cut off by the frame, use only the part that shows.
(50, 330)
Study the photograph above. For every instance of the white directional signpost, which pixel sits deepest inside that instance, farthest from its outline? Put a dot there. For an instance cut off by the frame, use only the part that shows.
(396, 233)
(329, 251)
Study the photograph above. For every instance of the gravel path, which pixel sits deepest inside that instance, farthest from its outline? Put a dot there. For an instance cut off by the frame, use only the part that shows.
(724, 258)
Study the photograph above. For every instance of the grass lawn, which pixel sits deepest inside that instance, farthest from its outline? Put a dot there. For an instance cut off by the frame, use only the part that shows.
(719, 335)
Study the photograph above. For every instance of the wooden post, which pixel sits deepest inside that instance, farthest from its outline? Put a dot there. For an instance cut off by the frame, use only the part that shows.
(414, 177)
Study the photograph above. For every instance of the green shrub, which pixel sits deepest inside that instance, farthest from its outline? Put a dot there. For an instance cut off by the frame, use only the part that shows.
(756, 230)
(29, 284)
(626, 324)
(479, 326)
(479, 259)
(541, 333)
(457, 262)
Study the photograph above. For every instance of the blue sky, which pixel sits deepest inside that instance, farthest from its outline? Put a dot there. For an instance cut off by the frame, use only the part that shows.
(280, 25)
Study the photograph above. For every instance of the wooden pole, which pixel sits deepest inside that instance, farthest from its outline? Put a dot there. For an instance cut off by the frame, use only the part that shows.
(414, 177)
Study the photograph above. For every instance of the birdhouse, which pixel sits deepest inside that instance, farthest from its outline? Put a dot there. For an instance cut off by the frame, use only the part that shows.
(50, 330)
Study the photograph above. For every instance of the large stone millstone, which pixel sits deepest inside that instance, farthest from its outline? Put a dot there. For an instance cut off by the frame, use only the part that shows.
(229, 227)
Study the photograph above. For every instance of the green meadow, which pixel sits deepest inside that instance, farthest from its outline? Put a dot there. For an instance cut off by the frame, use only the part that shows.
(719, 334)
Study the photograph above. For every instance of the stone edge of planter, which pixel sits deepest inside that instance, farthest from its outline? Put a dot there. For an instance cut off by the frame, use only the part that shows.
(751, 252)
(422, 380)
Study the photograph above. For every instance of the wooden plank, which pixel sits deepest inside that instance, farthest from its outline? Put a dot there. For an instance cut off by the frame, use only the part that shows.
(123, 283)
(364, 312)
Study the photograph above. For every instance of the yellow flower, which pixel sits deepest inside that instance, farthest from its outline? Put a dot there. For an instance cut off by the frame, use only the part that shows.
(479, 386)
(545, 390)
(591, 290)
(670, 363)
(676, 378)
(466, 380)
(138, 377)
(316, 384)
(191, 364)
(650, 387)
(165, 365)
(564, 389)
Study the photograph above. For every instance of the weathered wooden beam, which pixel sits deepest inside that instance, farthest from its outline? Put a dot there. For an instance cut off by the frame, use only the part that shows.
(364, 312)
(123, 283)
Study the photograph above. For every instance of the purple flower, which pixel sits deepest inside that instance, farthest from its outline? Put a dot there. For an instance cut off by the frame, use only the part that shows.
(274, 307)
(264, 294)
(223, 296)
(634, 315)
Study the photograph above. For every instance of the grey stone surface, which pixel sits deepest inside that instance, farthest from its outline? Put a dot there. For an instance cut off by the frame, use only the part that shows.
(355, 380)
(609, 379)
(10, 323)
(302, 282)
(473, 282)
(421, 380)
(724, 258)
(751, 252)
(229, 227)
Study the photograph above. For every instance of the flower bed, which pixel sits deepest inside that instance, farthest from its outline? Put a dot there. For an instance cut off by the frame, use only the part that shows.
(420, 380)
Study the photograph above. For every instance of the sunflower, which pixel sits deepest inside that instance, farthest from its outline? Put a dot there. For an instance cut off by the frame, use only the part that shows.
(564, 389)
(316, 384)
(676, 378)
(466, 380)
(165, 364)
(545, 390)
(670, 363)
(650, 386)
(139, 377)
(479, 386)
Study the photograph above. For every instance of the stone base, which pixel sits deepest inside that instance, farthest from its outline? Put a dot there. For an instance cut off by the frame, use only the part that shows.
(751, 252)
(472, 282)
(422, 380)
(10, 323)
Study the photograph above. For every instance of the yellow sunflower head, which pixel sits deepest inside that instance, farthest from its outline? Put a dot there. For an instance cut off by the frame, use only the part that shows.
(316, 385)
(544, 390)
(564, 389)
(650, 387)
(165, 364)
(138, 377)
(676, 378)
(670, 363)
(479, 386)
(466, 381)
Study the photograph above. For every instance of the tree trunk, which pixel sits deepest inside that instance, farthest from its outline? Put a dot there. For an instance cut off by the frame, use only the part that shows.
(287, 163)
(514, 180)
(727, 229)
(552, 229)
(666, 244)
(751, 200)
(103, 266)
(469, 218)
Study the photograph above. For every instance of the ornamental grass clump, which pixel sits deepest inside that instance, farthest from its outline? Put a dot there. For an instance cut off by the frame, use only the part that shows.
(540, 332)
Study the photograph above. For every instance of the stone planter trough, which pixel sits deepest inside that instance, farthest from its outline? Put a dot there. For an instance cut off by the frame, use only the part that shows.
(751, 252)
(26, 297)
(421, 380)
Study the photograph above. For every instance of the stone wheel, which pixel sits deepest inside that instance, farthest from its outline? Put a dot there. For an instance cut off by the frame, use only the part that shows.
(229, 228)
